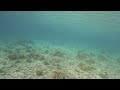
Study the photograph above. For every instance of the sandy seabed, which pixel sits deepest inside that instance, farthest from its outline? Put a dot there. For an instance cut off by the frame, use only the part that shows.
(26, 59)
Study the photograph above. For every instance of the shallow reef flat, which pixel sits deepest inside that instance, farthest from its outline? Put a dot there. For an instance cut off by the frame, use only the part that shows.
(32, 59)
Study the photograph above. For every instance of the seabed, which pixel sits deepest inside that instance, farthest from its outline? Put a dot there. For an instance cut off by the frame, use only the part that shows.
(35, 59)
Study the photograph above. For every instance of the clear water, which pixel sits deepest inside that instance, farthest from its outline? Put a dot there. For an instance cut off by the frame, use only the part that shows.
(68, 31)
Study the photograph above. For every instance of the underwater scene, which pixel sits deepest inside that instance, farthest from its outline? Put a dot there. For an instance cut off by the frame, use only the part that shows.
(59, 44)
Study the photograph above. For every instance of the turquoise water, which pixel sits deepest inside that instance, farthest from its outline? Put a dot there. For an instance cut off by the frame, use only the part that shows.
(68, 31)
